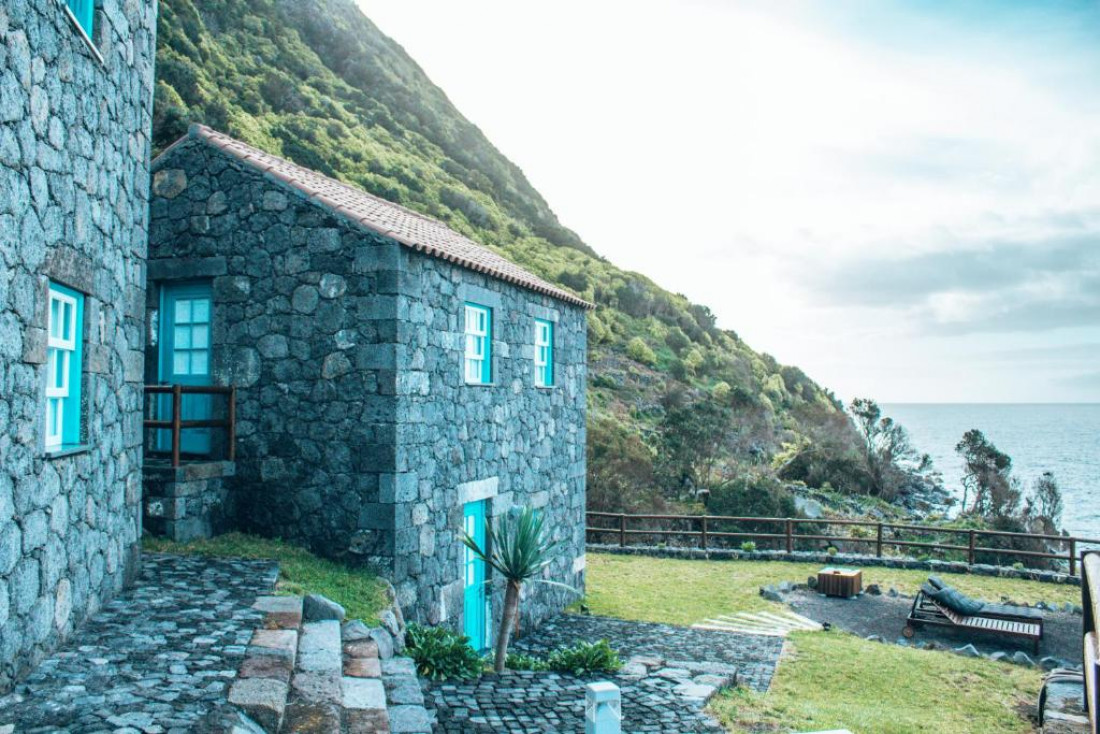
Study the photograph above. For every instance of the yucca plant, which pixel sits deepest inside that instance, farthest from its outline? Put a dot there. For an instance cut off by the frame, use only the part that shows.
(518, 549)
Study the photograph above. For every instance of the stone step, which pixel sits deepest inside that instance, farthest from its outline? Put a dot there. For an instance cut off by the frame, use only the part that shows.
(262, 686)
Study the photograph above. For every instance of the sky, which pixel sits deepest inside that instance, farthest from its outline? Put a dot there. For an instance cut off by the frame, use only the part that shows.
(901, 198)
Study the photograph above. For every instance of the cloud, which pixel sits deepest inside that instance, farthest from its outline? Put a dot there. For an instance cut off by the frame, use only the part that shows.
(1086, 382)
(996, 285)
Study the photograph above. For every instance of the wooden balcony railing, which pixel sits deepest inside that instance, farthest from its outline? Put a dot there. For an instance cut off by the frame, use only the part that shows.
(1090, 603)
(176, 423)
(705, 532)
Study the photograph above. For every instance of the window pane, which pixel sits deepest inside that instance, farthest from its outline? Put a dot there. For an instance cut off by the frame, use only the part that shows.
(67, 318)
(55, 318)
(200, 337)
(199, 362)
(183, 311)
(181, 363)
(61, 370)
(200, 311)
(182, 337)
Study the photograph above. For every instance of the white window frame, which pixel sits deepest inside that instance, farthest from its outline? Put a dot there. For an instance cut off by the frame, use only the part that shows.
(477, 328)
(59, 349)
(544, 353)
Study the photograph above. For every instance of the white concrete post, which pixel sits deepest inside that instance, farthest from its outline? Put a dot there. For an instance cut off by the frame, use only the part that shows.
(603, 709)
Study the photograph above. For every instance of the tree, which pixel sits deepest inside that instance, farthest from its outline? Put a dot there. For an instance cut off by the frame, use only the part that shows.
(518, 550)
(691, 445)
(888, 453)
(1044, 506)
(987, 475)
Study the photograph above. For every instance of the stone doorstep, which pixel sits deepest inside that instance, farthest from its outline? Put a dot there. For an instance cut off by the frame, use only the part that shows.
(363, 693)
(362, 668)
(319, 647)
(280, 612)
(275, 667)
(312, 718)
(312, 687)
(410, 720)
(280, 642)
(361, 649)
(367, 721)
(263, 699)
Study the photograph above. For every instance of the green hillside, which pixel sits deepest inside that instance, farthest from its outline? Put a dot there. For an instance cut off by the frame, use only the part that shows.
(315, 81)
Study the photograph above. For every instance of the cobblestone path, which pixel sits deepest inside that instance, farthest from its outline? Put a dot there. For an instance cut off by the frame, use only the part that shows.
(158, 659)
(669, 674)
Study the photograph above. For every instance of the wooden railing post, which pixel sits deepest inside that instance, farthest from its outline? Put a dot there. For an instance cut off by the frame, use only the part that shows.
(622, 530)
(878, 542)
(970, 550)
(704, 532)
(1073, 556)
(790, 535)
(231, 415)
(177, 417)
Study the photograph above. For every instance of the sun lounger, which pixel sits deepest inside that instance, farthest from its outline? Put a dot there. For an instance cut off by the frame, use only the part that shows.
(994, 619)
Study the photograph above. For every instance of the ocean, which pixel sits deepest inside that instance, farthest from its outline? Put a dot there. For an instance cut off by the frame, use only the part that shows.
(1064, 439)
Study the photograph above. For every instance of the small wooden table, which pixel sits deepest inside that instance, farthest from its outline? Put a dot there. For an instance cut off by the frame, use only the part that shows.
(845, 582)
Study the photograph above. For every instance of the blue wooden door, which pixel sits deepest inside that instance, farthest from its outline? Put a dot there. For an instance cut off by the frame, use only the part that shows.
(185, 357)
(476, 600)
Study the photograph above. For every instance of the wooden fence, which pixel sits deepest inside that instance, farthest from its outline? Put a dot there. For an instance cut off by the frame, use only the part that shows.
(176, 424)
(704, 531)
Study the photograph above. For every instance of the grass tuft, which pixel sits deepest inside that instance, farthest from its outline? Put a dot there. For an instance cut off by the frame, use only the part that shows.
(362, 593)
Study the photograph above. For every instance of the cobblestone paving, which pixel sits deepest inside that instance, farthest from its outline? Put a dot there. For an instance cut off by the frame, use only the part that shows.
(654, 697)
(157, 659)
(754, 656)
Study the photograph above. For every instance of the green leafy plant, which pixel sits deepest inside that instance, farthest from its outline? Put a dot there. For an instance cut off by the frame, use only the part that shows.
(440, 653)
(831, 550)
(518, 550)
(748, 546)
(519, 661)
(585, 658)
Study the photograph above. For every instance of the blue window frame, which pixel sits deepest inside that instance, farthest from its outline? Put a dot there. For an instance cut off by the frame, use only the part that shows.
(544, 353)
(479, 344)
(64, 355)
(84, 12)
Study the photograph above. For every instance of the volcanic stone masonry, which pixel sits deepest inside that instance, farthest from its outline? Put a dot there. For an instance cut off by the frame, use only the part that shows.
(74, 170)
(357, 434)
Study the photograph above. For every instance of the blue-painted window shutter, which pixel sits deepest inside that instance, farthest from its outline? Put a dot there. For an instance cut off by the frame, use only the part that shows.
(544, 353)
(84, 12)
(479, 344)
(64, 356)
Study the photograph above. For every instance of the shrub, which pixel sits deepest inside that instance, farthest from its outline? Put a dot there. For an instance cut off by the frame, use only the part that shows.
(748, 546)
(831, 550)
(519, 661)
(440, 654)
(585, 658)
(639, 351)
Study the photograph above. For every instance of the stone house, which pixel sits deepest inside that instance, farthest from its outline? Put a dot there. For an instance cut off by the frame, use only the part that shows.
(396, 383)
(76, 93)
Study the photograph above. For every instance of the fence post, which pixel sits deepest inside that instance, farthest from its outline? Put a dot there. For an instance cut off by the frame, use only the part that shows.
(790, 535)
(970, 551)
(704, 532)
(878, 542)
(622, 531)
(1073, 556)
(177, 410)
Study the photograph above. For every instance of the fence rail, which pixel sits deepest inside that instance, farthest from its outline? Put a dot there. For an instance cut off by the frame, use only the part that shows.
(700, 531)
(176, 424)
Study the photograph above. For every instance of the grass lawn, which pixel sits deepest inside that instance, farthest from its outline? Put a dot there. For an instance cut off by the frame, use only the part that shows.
(830, 680)
(686, 592)
(300, 572)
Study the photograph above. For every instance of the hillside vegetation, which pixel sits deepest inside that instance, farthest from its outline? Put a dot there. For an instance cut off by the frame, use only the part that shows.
(315, 81)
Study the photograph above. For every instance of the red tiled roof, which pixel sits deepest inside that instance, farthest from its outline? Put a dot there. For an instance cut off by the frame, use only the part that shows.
(421, 233)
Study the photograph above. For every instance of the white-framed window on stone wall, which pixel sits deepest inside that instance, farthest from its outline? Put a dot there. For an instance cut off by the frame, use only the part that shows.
(64, 354)
(479, 344)
(544, 353)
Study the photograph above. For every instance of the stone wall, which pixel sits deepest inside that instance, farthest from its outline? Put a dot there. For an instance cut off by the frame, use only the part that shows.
(74, 152)
(301, 309)
(510, 442)
(357, 434)
(191, 501)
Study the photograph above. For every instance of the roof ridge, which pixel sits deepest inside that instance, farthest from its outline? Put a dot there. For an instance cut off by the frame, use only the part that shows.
(410, 228)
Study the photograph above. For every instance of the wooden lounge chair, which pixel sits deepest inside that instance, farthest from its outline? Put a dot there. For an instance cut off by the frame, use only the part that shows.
(994, 619)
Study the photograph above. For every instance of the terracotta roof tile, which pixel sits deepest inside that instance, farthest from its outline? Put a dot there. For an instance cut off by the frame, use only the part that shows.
(414, 230)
